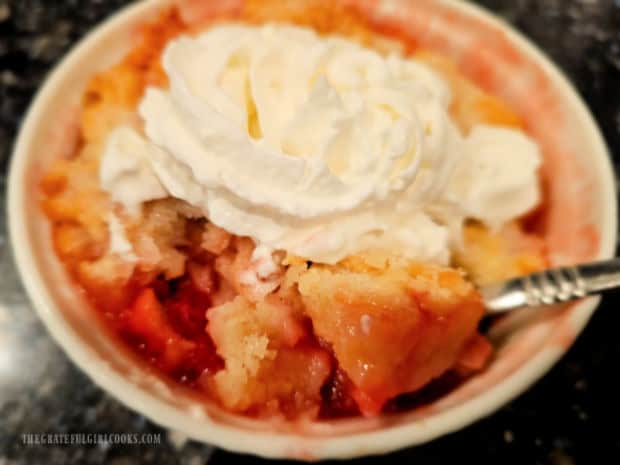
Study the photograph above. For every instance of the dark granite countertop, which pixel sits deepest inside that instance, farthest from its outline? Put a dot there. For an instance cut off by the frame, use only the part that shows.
(570, 417)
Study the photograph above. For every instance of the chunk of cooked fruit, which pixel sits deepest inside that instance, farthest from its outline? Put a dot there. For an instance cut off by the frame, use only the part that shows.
(148, 321)
(474, 356)
(338, 400)
(169, 330)
(490, 257)
(392, 331)
(271, 363)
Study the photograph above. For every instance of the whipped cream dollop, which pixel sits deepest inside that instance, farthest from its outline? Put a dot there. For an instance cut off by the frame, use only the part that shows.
(317, 146)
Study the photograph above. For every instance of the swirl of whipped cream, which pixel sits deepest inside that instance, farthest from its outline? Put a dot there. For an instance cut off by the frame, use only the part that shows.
(312, 145)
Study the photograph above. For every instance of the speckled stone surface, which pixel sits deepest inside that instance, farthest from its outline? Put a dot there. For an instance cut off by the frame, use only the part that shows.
(570, 417)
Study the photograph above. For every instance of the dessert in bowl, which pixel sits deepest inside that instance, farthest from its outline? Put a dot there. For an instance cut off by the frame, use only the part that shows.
(275, 216)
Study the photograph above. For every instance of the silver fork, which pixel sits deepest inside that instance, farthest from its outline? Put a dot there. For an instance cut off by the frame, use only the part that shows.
(552, 286)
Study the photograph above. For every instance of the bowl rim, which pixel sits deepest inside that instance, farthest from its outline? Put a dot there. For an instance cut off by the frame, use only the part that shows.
(278, 444)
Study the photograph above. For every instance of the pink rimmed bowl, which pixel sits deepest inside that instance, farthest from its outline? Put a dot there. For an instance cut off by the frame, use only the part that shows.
(580, 225)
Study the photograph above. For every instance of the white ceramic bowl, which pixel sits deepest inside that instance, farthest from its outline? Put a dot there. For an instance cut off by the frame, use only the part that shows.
(581, 225)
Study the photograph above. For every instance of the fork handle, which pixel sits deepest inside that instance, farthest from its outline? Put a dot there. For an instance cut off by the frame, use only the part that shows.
(552, 286)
